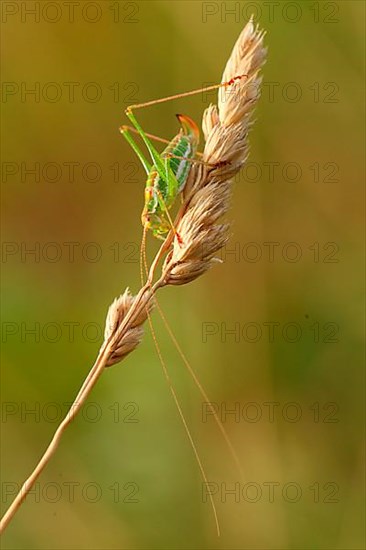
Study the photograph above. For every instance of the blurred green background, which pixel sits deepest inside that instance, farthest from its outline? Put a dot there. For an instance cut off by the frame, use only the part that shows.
(297, 393)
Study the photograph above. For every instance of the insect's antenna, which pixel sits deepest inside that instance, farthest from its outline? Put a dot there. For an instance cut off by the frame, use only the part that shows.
(143, 266)
(201, 390)
(143, 261)
(194, 448)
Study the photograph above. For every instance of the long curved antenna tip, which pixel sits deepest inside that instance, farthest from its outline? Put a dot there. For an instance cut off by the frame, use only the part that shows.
(143, 261)
(189, 435)
(143, 266)
(201, 390)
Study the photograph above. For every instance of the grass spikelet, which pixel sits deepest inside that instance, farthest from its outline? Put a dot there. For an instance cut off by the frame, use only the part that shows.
(126, 342)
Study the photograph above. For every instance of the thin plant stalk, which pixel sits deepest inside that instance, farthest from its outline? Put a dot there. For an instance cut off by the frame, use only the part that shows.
(89, 383)
(206, 199)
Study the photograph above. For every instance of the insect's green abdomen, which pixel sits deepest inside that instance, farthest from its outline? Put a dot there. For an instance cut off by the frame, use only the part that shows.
(168, 177)
(180, 147)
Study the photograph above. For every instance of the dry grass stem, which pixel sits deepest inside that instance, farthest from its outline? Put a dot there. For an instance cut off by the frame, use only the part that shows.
(206, 200)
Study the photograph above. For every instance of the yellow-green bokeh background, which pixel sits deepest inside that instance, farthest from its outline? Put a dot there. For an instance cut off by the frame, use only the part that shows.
(169, 49)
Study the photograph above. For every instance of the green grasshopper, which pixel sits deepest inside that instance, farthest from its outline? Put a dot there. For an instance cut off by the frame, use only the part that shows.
(168, 175)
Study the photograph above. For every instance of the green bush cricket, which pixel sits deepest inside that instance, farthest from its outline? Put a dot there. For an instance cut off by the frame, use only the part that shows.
(167, 176)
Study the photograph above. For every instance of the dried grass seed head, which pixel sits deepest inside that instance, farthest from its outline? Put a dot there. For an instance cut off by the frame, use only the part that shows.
(127, 341)
(226, 128)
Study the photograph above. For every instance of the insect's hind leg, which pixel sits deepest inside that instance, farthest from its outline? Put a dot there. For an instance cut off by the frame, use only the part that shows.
(125, 132)
(154, 154)
(130, 108)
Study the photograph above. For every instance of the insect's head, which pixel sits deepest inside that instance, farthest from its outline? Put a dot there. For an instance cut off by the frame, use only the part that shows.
(157, 224)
